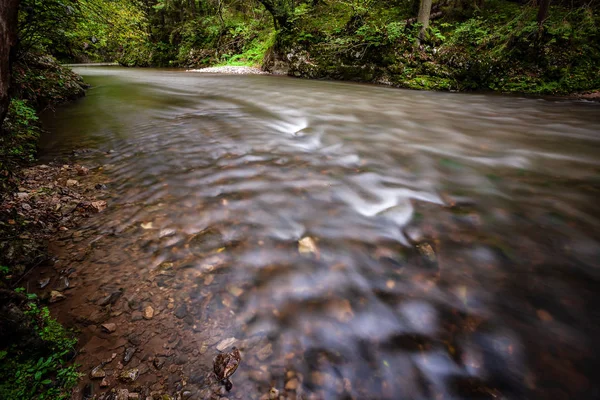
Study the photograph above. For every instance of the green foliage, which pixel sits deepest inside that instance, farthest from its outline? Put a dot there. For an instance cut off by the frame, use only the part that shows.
(43, 25)
(41, 375)
(21, 127)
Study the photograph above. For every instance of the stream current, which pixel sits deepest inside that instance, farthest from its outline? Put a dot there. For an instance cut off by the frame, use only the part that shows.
(352, 241)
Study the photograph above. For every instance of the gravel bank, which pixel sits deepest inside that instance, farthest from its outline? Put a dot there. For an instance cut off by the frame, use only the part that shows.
(231, 70)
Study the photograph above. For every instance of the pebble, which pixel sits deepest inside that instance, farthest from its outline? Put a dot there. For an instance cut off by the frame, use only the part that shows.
(181, 311)
(273, 394)
(134, 396)
(42, 283)
(259, 376)
(55, 296)
(235, 291)
(307, 245)
(226, 343)
(129, 352)
(136, 316)
(181, 359)
(72, 182)
(236, 70)
(158, 362)
(97, 372)
(265, 352)
(104, 383)
(186, 395)
(129, 375)
(148, 312)
(123, 394)
(292, 384)
(110, 327)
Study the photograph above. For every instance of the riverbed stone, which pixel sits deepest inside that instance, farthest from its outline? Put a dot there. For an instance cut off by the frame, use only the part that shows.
(97, 372)
(129, 375)
(56, 296)
(181, 311)
(129, 352)
(226, 343)
(292, 384)
(109, 327)
(265, 352)
(148, 312)
(136, 316)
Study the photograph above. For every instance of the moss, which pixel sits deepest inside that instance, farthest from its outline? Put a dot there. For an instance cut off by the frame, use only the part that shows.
(498, 47)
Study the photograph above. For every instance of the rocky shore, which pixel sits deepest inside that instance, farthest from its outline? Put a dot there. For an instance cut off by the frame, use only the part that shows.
(232, 70)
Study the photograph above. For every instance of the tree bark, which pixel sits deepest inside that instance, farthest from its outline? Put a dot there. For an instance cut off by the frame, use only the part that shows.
(423, 17)
(543, 12)
(8, 39)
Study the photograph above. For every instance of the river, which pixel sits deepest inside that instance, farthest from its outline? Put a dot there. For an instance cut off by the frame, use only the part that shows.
(353, 241)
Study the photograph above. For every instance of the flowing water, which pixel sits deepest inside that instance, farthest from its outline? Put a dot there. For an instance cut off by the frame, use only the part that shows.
(353, 241)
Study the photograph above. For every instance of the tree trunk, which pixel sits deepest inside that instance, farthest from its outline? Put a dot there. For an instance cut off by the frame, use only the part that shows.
(543, 12)
(8, 38)
(423, 17)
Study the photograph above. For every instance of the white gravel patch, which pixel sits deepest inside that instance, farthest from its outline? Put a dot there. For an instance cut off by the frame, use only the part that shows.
(231, 70)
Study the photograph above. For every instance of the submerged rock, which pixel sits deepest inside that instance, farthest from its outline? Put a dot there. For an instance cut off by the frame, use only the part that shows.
(111, 298)
(148, 312)
(181, 311)
(225, 343)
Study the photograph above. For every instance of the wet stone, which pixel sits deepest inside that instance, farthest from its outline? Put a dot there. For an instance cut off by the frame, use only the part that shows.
(292, 384)
(181, 311)
(97, 372)
(129, 375)
(181, 359)
(56, 296)
(158, 362)
(273, 394)
(122, 394)
(148, 312)
(63, 284)
(265, 352)
(259, 376)
(42, 283)
(111, 298)
(136, 316)
(186, 395)
(129, 352)
(226, 343)
(109, 327)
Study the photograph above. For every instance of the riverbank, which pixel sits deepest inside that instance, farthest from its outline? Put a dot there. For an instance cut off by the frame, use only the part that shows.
(36, 202)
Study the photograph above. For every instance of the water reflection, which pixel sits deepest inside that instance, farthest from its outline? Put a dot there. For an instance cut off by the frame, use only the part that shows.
(455, 236)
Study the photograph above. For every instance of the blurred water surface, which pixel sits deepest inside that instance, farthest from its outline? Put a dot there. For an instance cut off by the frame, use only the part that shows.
(454, 237)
